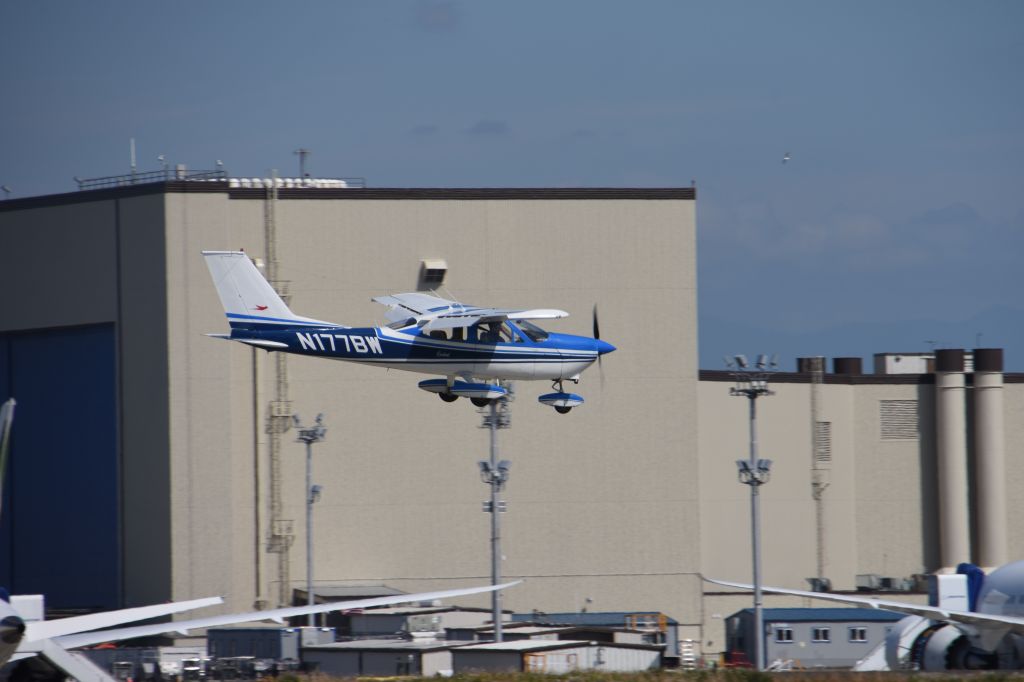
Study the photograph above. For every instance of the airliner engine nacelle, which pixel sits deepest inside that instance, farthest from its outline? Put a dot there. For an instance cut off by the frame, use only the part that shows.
(916, 643)
(939, 648)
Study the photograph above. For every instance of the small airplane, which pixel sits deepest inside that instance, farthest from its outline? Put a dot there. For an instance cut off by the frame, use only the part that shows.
(980, 625)
(474, 349)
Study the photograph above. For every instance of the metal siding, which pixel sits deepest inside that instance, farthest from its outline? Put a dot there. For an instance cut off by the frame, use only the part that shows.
(63, 487)
(334, 663)
(491, 661)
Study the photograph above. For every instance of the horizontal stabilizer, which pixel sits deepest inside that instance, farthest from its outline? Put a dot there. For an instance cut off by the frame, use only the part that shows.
(259, 343)
(262, 343)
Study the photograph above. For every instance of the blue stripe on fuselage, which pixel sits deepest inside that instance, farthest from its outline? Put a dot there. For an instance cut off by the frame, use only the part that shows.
(369, 344)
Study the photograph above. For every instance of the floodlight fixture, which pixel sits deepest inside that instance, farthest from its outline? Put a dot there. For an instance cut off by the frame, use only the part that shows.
(310, 435)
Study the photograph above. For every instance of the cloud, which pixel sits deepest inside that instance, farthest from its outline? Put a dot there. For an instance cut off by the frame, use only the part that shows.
(489, 127)
(582, 134)
(438, 16)
(860, 240)
(425, 130)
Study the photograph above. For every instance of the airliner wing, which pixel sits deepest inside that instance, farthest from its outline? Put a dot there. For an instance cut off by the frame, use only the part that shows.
(47, 629)
(982, 621)
(278, 615)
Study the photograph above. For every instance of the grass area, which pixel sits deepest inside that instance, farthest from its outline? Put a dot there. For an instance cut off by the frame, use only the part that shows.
(726, 675)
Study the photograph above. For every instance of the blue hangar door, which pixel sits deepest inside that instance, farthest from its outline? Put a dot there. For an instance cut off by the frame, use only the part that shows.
(60, 529)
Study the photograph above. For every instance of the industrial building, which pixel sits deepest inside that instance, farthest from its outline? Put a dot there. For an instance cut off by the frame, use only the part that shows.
(160, 463)
(801, 638)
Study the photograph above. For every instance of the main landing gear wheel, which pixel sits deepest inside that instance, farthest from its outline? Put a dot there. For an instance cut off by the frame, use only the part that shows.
(448, 397)
(480, 402)
(560, 400)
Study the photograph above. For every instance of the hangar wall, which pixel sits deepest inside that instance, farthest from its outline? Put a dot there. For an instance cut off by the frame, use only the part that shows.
(401, 501)
(880, 506)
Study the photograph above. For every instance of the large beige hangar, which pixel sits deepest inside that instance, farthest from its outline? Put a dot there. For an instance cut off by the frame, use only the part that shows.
(160, 463)
(598, 507)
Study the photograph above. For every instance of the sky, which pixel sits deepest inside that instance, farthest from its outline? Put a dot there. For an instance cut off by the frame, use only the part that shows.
(896, 225)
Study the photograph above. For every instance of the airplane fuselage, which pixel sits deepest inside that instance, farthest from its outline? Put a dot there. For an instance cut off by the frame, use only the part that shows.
(560, 356)
(1002, 593)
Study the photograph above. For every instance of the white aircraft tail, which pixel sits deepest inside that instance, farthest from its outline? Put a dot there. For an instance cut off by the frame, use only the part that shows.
(248, 299)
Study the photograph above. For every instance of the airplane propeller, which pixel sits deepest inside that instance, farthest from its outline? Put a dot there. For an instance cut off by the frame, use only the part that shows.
(597, 335)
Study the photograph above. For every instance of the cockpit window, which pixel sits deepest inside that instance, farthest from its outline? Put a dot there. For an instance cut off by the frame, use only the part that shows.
(535, 333)
(402, 324)
(495, 332)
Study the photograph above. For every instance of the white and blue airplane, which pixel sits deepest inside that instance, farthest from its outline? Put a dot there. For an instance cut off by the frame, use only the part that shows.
(474, 349)
(976, 623)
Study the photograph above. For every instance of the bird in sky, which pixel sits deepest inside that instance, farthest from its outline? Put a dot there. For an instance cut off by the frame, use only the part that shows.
(785, 157)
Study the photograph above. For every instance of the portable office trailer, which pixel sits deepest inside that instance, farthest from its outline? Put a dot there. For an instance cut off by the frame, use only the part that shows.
(810, 638)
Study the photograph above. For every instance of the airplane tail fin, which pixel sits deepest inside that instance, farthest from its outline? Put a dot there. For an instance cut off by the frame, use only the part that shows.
(248, 299)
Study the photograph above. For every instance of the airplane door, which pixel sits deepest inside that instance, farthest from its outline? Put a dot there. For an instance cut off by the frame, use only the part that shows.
(504, 352)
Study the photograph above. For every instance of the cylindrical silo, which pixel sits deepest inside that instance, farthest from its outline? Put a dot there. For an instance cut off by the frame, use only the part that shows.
(990, 457)
(951, 446)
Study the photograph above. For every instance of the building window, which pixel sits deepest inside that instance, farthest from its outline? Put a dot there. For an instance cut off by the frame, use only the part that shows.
(858, 634)
(783, 634)
(821, 634)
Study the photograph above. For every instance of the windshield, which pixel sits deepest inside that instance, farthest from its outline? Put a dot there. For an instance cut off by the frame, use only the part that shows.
(535, 333)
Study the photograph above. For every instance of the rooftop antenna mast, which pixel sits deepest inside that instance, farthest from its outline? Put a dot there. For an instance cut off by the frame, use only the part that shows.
(303, 153)
(131, 153)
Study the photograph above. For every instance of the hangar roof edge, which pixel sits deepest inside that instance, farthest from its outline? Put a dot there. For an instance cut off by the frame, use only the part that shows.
(378, 193)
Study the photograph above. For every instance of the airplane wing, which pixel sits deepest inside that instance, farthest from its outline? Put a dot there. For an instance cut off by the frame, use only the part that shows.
(47, 629)
(431, 312)
(984, 624)
(278, 615)
(416, 305)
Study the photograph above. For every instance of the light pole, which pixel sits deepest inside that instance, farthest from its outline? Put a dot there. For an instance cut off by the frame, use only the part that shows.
(495, 474)
(310, 435)
(752, 384)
